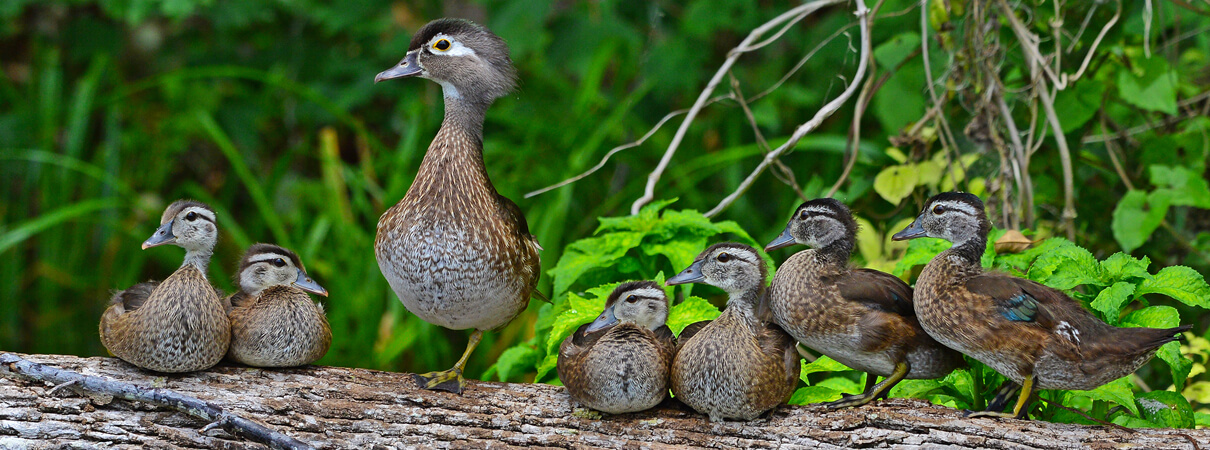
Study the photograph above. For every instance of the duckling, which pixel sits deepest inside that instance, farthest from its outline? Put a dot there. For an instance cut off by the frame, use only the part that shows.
(273, 321)
(1036, 336)
(860, 317)
(737, 366)
(176, 325)
(456, 252)
(619, 363)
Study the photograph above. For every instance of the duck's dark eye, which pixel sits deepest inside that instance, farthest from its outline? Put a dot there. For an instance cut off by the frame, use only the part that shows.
(803, 215)
(442, 45)
(938, 209)
(723, 257)
(279, 262)
(191, 216)
(632, 299)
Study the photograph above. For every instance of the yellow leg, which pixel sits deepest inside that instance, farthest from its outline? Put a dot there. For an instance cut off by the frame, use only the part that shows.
(872, 393)
(450, 380)
(1019, 410)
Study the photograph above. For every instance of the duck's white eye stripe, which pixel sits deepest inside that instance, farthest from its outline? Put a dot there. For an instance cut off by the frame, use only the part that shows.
(961, 207)
(818, 210)
(268, 257)
(456, 48)
(648, 293)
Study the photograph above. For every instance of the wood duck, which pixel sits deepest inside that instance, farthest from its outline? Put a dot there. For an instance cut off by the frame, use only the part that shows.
(1036, 336)
(619, 363)
(274, 323)
(456, 252)
(179, 324)
(860, 317)
(737, 366)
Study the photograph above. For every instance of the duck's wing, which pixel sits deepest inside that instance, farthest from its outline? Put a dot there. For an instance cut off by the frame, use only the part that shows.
(778, 345)
(690, 330)
(133, 297)
(878, 290)
(1025, 301)
(511, 212)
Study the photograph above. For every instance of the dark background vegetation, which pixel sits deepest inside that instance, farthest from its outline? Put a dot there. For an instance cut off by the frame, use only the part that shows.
(268, 112)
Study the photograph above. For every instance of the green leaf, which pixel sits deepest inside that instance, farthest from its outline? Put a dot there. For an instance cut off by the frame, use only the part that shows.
(1136, 216)
(916, 388)
(920, 251)
(814, 394)
(691, 310)
(1110, 300)
(1187, 187)
(680, 252)
(1202, 419)
(894, 50)
(1181, 283)
(580, 311)
(1158, 316)
(548, 364)
(1076, 104)
(1178, 364)
(1166, 408)
(517, 359)
(591, 253)
(1151, 85)
(1121, 266)
(1117, 391)
(1066, 267)
(895, 183)
(821, 364)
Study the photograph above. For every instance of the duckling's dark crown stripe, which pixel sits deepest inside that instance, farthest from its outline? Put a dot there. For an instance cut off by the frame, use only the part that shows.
(442, 26)
(261, 248)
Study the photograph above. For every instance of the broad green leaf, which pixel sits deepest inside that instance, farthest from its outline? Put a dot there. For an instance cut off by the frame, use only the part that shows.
(591, 253)
(916, 388)
(895, 183)
(841, 384)
(689, 311)
(1110, 300)
(1181, 283)
(894, 50)
(680, 252)
(1135, 422)
(1121, 266)
(1188, 188)
(1136, 216)
(1202, 419)
(516, 359)
(1157, 316)
(643, 221)
(1151, 85)
(821, 364)
(814, 394)
(1166, 408)
(989, 252)
(1076, 104)
(1117, 391)
(920, 251)
(869, 242)
(963, 384)
(1178, 364)
(548, 364)
(1066, 267)
(929, 173)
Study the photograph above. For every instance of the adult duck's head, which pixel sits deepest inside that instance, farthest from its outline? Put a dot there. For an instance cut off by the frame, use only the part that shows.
(469, 61)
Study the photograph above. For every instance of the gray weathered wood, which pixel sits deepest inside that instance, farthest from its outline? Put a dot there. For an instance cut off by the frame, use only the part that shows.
(334, 407)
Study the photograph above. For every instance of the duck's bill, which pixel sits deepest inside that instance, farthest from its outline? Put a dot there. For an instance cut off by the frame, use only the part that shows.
(782, 240)
(163, 235)
(408, 67)
(692, 274)
(305, 283)
(911, 232)
(604, 320)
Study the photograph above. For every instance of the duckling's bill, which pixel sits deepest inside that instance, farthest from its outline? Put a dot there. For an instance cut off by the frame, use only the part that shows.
(408, 67)
(911, 232)
(163, 235)
(305, 283)
(691, 274)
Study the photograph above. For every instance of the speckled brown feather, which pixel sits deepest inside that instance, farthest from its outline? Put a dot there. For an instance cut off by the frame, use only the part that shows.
(622, 368)
(151, 337)
(281, 327)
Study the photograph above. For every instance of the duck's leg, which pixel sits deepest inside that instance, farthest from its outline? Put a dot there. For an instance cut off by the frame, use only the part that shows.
(872, 392)
(1019, 410)
(1003, 396)
(450, 380)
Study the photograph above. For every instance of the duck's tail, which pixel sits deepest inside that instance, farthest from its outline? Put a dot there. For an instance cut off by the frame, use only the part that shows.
(1148, 339)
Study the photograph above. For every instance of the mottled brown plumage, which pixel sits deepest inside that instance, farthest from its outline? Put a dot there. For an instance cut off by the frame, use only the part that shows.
(1036, 336)
(736, 366)
(457, 253)
(179, 324)
(274, 323)
(862, 318)
(619, 363)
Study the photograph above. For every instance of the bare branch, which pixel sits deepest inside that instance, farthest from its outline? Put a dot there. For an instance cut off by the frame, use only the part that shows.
(654, 177)
(18, 367)
(863, 19)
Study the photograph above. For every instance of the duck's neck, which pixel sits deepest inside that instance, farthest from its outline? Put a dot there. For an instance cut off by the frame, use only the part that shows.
(835, 254)
(454, 161)
(199, 258)
(969, 252)
(745, 302)
(465, 116)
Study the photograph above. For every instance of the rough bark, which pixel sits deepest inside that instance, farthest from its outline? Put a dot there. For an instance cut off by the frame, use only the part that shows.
(334, 407)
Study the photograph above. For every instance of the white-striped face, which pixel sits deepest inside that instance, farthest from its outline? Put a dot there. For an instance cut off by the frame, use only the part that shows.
(267, 269)
(445, 47)
(733, 269)
(194, 227)
(953, 220)
(644, 306)
(816, 226)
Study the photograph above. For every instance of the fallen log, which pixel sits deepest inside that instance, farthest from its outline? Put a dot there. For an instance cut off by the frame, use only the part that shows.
(336, 407)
